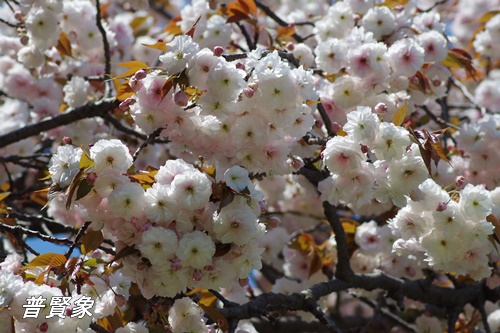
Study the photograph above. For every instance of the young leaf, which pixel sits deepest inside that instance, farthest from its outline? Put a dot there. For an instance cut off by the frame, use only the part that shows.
(458, 58)
(64, 45)
(133, 67)
(91, 241)
(124, 91)
(399, 116)
(47, 259)
(162, 46)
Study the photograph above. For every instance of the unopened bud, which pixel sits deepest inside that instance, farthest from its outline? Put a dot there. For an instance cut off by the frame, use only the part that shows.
(19, 16)
(197, 275)
(336, 127)
(176, 265)
(210, 267)
(248, 92)
(290, 46)
(43, 327)
(318, 123)
(364, 149)
(273, 221)
(436, 83)
(296, 162)
(381, 108)
(460, 181)
(24, 40)
(263, 206)
(243, 282)
(441, 206)
(67, 140)
(181, 98)
(159, 40)
(140, 74)
(90, 178)
(126, 104)
(240, 65)
(68, 311)
(218, 51)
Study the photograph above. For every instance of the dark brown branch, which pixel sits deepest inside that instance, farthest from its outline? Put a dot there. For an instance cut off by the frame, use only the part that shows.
(149, 140)
(11, 24)
(276, 19)
(326, 120)
(42, 220)
(343, 270)
(107, 66)
(248, 39)
(98, 328)
(79, 235)
(441, 122)
(89, 110)
(468, 95)
(160, 10)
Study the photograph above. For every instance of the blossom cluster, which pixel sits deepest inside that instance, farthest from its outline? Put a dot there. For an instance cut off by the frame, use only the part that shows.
(375, 160)
(250, 113)
(183, 236)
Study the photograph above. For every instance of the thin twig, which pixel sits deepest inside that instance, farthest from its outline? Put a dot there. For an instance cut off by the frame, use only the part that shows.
(469, 96)
(98, 328)
(107, 67)
(11, 24)
(277, 19)
(79, 235)
(248, 39)
(326, 120)
(441, 122)
(149, 140)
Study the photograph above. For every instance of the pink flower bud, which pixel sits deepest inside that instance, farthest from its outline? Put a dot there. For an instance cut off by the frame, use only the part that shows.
(460, 181)
(24, 40)
(441, 206)
(44, 327)
(159, 40)
(290, 46)
(120, 300)
(210, 267)
(296, 162)
(19, 16)
(181, 98)
(381, 108)
(273, 221)
(436, 83)
(68, 311)
(140, 74)
(67, 140)
(364, 149)
(218, 51)
(197, 275)
(336, 127)
(241, 66)
(91, 177)
(318, 123)
(176, 265)
(126, 104)
(243, 282)
(248, 92)
(263, 206)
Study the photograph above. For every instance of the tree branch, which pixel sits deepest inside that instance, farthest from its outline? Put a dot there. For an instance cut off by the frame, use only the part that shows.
(89, 110)
(277, 19)
(107, 67)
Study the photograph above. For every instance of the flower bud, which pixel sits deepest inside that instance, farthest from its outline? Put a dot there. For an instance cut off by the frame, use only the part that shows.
(441, 206)
(248, 92)
(381, 108)
(460, 181)
(43, 327)
(263, 206)
(243, 282)
(218, 51)
(67, 140)
(24, 40)
(197, 275)
(336, 127)
(181, 98)
(241, 66)
(126, 103)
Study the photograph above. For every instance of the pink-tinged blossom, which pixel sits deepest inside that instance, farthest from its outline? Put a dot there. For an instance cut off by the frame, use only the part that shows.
(407, 56)
(475, 202)
(110, 155)
(191, 190)
(158, 245)
(235, 224)
(65, 164)
(380, 21)
(343, 156)
(160, 206)
(178, 52)
(127, 201)
(390, 142)
(196, 249)
(331, 55)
